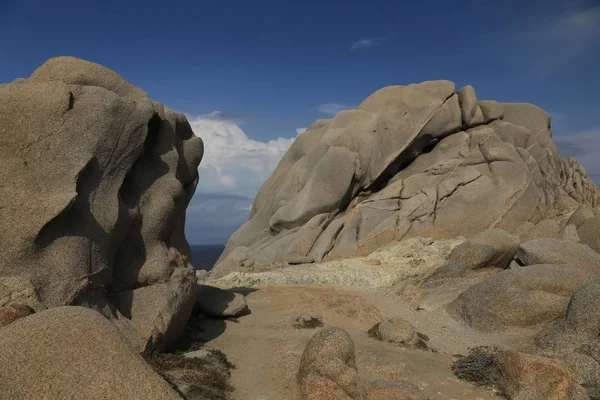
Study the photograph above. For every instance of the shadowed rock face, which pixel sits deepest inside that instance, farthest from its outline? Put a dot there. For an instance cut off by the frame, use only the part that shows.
(417, 160)
(95, 179)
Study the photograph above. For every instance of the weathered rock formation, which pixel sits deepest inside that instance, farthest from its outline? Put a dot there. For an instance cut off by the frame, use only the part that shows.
(94, 182)
(73, 353)
(416, 160)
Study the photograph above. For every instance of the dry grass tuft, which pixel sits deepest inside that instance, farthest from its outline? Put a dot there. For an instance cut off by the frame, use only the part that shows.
(195, 378)
(480, 367)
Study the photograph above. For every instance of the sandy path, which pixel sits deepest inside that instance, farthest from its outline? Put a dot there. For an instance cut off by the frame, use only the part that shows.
(266, 348)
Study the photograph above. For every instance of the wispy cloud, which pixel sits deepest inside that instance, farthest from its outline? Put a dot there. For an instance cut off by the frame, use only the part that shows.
(332, 108)
(585, 147)
(554, 43)
(300, 131)
(574, 27)
(238, 118)
(364, 44)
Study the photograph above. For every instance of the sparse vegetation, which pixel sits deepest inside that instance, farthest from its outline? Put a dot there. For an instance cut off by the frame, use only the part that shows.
(479, 367)
(195, 377)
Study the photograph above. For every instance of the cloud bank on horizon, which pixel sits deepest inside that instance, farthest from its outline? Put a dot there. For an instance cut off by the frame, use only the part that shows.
(231, 172)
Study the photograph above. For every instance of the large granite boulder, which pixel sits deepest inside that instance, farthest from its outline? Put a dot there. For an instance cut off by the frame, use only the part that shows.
(580, 325)
(555, 251)
(491, 248)
(417, 160)
(525, 297)
(576, 337)
(526, 376)
(73, 353)
(95, 179)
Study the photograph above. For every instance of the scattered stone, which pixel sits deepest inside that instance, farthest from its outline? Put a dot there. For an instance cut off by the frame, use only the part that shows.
(18, 290)
(73, 353)
(491, 248)
(514, 265)
(398, 331)
(555, 251)
(305, 321)
(215, 302)
(301, 260)
(13, 312)
(328, 369)
(202, 275)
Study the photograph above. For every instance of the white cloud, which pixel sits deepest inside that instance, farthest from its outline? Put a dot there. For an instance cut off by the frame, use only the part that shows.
(332, 108)
(300, 131)
(364, 44)
(575, 27)
(231, 172)
(554, 43)
(234, 163)
(585, 147)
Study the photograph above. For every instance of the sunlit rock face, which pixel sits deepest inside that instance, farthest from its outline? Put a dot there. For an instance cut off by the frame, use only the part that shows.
(416, 160)
(95, 179)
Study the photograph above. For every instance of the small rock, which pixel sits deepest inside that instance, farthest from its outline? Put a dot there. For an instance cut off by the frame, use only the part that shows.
(18, 290)
(215, 302)
(514, 265)
(328, 368)
(201, 275)
(305, 321)
(13, 312)
(399, 331)
(301, 260)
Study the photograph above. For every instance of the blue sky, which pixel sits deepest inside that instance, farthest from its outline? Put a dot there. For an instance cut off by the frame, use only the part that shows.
(250, 73)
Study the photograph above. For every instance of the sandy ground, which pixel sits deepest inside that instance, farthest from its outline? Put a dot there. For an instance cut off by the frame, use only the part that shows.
(266, 348)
